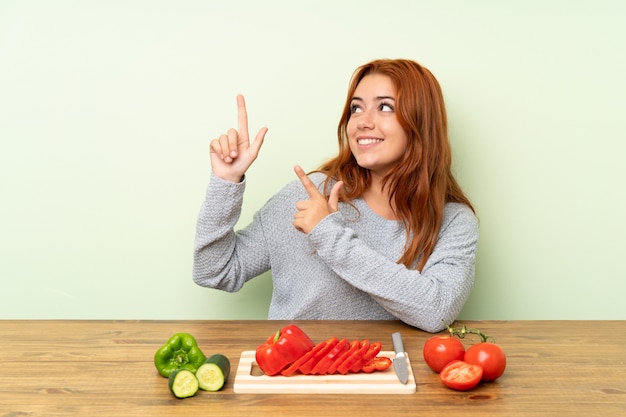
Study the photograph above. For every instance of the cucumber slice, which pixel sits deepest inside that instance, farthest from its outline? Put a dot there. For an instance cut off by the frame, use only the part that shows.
(183, 383)
(213, 373)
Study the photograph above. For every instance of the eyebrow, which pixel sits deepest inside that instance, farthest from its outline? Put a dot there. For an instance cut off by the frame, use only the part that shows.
(377, 98)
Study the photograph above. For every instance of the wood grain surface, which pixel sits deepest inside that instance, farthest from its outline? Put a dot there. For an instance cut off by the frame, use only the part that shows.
(105, 368)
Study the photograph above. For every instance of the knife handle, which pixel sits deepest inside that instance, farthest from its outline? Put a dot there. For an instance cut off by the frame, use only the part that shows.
(398, 346)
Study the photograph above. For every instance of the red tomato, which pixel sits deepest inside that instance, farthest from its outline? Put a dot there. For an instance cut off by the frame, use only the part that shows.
(488, 356)
(441, 350)
(461, 376)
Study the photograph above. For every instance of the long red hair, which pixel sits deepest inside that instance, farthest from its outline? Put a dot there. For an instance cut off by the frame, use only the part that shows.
(422, 182)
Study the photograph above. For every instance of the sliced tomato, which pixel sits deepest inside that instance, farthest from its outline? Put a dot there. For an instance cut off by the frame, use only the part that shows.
(308, 366)
(461, 376)
(379, 363)
(324, 363)
(354, 346)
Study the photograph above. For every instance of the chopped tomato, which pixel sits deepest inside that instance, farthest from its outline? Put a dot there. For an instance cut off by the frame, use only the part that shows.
(461, 376)
(379, 363)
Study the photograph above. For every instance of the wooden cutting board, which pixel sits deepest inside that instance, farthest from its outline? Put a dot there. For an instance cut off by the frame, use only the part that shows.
(250, 380)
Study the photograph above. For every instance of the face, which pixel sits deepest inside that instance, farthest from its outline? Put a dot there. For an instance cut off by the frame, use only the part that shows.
(376, 138)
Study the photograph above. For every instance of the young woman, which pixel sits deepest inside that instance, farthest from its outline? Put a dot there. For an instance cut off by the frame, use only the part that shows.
(381, 231)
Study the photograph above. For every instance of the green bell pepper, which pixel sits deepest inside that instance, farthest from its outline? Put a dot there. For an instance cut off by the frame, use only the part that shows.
(180, 352)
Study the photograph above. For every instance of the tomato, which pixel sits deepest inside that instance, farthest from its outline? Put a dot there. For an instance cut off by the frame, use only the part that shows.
(460, 375)
(488, 356)
(441, 350)
(379, 363)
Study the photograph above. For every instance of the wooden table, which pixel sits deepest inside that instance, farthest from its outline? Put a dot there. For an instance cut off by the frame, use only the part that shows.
(105, 368)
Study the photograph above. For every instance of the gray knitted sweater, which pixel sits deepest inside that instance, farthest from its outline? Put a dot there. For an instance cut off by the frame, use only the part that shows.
(345, 268)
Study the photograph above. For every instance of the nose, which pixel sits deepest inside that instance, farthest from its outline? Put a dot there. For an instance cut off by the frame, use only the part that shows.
(366, 120)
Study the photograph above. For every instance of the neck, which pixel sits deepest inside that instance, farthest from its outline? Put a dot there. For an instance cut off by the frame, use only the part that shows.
(377, 198)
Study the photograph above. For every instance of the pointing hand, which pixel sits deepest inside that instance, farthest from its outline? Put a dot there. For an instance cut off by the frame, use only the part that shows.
(232, 153)
(312, 211)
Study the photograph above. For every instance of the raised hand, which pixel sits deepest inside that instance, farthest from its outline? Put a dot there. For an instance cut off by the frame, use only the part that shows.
(312, 211)
(232, 153)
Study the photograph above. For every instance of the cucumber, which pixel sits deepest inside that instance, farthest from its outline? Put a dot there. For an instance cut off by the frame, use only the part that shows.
(183, 383)
(213, 373)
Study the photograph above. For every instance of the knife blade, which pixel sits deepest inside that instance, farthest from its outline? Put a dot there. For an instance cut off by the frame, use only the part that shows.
(399, 362)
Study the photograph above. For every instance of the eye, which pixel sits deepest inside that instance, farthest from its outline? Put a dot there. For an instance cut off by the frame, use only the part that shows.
(355, 108)
(386, 107)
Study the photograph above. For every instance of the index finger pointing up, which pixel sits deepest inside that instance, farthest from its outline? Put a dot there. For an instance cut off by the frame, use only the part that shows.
(310, 188)
(242, 118)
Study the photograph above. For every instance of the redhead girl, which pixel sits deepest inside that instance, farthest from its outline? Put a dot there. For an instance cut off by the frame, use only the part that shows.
(382, 231)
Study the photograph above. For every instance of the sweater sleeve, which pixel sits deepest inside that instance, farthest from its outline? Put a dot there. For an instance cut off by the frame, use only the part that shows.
(424, 300)
(225, 259)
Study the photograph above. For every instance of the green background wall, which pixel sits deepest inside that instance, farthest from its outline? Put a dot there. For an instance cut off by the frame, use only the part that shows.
(107, 109)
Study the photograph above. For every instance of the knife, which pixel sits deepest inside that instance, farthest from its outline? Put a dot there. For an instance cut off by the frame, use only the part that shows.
(399, 362)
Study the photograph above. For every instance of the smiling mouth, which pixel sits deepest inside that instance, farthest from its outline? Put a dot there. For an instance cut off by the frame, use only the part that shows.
(368, 141)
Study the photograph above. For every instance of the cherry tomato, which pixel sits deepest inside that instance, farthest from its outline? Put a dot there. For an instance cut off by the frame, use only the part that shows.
(441, 350)
(488, 356)
(460, 375)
